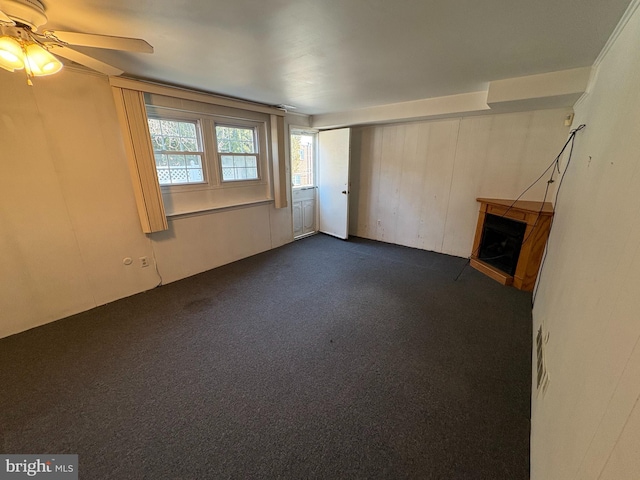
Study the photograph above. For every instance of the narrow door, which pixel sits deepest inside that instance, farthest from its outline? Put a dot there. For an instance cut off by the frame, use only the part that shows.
(333, 182)
(303, 181)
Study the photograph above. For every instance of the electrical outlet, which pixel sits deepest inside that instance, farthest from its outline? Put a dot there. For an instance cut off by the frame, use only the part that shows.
(144, 262)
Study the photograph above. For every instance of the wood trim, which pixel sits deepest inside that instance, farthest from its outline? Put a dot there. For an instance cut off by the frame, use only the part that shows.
(520, 205)
(279, 162)
(133, 123)
(527, 272)
(497, 275)
(186, 94)
(538, 217)
(479, 226)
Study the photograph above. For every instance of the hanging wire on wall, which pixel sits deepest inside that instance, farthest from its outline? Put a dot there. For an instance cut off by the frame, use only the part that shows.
(554, 166)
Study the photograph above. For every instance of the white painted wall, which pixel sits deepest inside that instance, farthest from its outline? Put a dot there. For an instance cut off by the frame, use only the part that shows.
(68, 215)
(416, 184)
(587, 425)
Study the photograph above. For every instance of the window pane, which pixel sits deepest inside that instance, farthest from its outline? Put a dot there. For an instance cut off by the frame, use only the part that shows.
(187, 130)
(161, 161)
(174, 136)
(302, 152)
(236, 139)
(177, 161)
(171, 144)
(193, 161)
(158, 142)
(178, 176)
(188, 144)
(252, 173)
(164, 177)
(239, 167)
(195, 175)
(169, 137)
(154, 127)
(228, 174)
(174, 169)
(169, 127)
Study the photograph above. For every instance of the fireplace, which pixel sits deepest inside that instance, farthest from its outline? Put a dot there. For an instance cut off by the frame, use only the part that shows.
(510, 240)
(501, 242)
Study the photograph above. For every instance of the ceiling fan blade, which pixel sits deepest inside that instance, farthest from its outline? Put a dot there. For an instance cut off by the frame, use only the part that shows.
(87, 61)
(4, 19)
(103, 41)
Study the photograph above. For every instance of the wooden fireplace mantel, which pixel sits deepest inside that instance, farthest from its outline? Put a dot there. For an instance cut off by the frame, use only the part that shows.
(537, 216)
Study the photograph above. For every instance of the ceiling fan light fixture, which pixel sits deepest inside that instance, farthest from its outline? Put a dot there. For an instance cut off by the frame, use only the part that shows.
(25, 12)
(21, 47)
(11, 55)
(40, 62)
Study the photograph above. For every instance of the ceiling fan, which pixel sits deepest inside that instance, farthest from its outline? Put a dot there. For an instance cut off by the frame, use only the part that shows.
(23, 46)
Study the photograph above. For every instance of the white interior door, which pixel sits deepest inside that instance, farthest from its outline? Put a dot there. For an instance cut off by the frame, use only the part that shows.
(333, 182)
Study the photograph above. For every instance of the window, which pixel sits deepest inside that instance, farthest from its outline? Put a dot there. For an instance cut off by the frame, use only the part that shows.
(237, 149)
(207, 157)
(302, 148)
(176, 169)
(178, 151)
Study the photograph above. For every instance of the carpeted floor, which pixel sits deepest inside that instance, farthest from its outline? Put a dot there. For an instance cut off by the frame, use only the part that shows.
(321, 359)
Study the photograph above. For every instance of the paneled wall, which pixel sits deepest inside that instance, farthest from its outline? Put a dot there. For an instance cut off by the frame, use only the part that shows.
(586, 425)
(68, 215)
(415, 184)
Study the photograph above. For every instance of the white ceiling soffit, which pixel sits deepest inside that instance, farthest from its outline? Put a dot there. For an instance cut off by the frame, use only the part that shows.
(533, 92)
(546, 90)
(474, 103)
(335, 55)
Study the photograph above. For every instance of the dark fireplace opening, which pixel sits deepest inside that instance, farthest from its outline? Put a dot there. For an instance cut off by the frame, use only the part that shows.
(501, 242)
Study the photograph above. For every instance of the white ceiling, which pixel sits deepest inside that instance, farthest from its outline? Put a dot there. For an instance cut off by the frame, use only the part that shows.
(337, 55)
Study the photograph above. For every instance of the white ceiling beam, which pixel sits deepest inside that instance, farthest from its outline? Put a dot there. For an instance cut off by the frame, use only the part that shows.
(473, 103)
(535, 92)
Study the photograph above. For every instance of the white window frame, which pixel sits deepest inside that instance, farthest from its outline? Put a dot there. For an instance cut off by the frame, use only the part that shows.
(293, 130)
(260, 147)
(210, 194)
(163, 114)
(153, 203)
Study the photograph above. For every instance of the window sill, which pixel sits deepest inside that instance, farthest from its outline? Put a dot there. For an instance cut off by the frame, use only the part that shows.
(218, 209)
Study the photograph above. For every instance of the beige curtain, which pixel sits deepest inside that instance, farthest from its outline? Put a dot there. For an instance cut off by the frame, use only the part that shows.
(135, 130)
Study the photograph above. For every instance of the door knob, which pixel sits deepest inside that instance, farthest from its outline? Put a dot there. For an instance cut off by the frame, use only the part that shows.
(344, 192)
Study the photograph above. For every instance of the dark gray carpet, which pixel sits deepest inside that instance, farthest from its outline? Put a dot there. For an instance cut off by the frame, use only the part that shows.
(321, 359)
